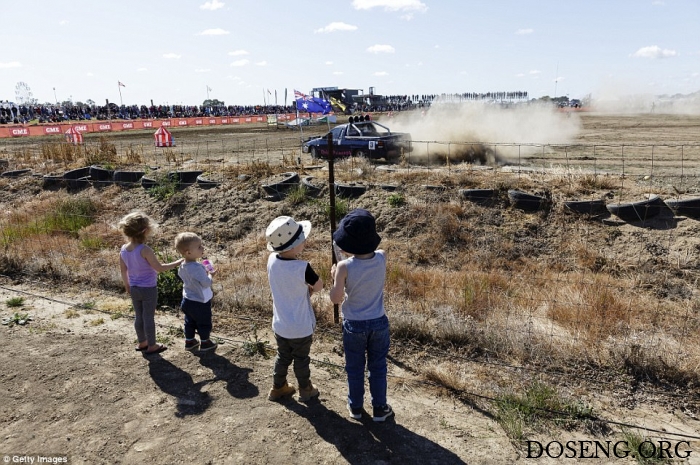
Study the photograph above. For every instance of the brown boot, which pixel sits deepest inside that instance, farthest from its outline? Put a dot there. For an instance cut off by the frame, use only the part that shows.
(307, 393)
(278, 393)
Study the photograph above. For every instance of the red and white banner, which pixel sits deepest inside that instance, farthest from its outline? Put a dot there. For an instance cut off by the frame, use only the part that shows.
(115, 126)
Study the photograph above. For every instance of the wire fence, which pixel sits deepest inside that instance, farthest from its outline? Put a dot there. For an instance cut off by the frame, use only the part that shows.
(548, 288)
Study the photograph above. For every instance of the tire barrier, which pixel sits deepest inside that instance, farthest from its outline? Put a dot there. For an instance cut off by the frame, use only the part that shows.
(637, 211)
(15, 173)
(586, 207)
(205, 183)
(350, 191)
(527, 202)
(77, 178)
(484, 197)
(127, 178)
(184, 178)
(689, 208)
(52, 180)
(277, 187)
(312, 189)
(148, 183)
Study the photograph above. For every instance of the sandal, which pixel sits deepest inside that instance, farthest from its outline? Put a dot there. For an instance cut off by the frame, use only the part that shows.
(161, 348)
(141, 349)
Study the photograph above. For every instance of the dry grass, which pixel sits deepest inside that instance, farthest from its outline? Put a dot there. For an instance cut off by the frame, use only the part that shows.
(488, 282)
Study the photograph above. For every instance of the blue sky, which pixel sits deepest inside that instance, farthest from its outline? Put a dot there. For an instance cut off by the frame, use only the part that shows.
(170, 51)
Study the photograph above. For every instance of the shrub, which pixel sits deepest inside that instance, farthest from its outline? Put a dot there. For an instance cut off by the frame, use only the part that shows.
(397, 200)
(169, 288)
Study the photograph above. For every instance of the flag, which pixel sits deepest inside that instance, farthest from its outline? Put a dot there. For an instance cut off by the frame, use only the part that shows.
(337, 103)
(313, 105)
(120, 84)
(209, 89)
(268, 92)
(298, 95)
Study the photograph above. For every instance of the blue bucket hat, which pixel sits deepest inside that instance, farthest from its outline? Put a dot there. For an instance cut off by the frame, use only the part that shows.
(357, 233)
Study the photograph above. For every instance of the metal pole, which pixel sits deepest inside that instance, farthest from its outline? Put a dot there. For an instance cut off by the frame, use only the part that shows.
(331, 186)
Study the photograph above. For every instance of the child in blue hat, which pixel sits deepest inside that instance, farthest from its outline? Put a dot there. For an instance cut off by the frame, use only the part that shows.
(359, 286)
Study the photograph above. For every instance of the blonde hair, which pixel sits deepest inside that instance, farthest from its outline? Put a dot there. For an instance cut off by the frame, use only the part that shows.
(136, 226)
(184, 239)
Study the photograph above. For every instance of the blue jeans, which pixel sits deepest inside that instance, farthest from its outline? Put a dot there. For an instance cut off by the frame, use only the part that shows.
(366, 342)
(197, 318)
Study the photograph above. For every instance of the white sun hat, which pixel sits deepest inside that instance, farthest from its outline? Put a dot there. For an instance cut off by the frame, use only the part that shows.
(284, 233)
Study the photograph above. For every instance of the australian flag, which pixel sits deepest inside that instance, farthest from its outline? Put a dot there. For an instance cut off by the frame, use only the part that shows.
(310, 104)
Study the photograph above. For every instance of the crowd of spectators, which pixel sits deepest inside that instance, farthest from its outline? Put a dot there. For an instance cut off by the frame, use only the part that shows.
(382, 103)
(11, 113)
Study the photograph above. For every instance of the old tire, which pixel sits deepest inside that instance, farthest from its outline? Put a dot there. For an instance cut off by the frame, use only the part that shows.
(483, 197)
(15, 173)
(527, 202)
(350, 191)
(128, 177)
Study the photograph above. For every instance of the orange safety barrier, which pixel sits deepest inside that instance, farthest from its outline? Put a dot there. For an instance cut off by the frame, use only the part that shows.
(17, 130)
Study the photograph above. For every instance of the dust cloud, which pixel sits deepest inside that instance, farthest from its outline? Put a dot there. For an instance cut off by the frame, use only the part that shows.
(614, 98)
(483, 133)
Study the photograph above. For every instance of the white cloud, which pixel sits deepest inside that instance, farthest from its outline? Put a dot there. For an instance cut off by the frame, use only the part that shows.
(407, 17)
(89, 74)
(522, 32)
(658, 3)
(329, 63)
(63, 22)
(337, 73)
(520, 75)
(391, 5)
(381, 49)
(140, 70)
(333, 27)
(654, 51)
(381, 73)
(535, 71)
(236, 53)
(10, 64)
(202, 70)
(214, 32)
(212, 5)
(261, 63)
(242, 62)
(172, 56)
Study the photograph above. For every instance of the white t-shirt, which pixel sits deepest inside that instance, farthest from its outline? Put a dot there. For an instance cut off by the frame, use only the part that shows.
(292, 314)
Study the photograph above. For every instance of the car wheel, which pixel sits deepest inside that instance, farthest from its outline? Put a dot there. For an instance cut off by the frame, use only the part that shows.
(360, 153)
(314, 153)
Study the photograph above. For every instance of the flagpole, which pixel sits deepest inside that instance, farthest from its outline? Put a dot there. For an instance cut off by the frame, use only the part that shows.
(207, 91)
(121, 102)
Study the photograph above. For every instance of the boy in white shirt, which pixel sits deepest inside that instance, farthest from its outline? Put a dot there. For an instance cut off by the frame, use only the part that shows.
(292, 282)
